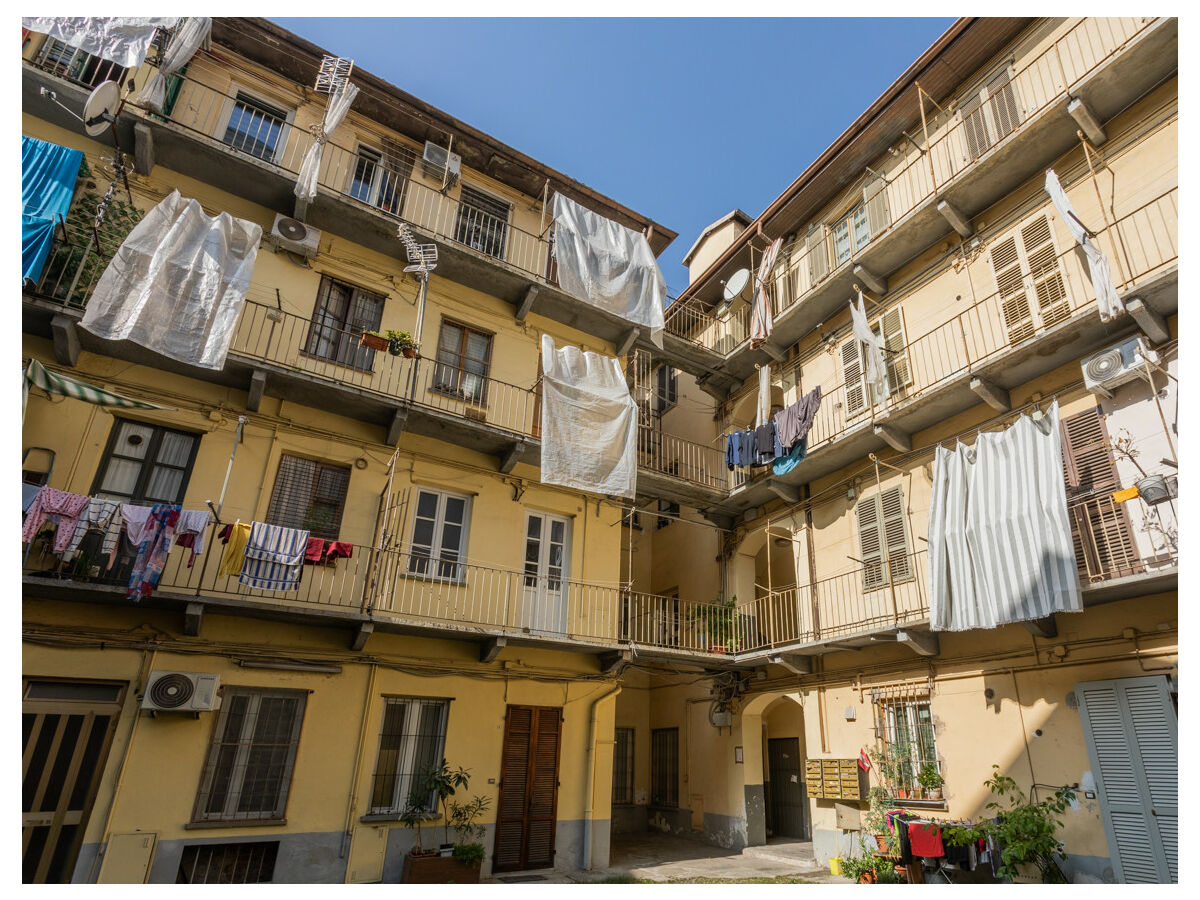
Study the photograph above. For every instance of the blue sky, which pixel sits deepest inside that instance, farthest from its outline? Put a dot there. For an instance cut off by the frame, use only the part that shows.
(679, 119)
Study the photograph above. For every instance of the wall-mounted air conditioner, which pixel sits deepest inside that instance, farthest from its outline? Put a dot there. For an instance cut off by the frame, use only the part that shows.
(181, 692)
(294, 235)
(1114, 366)
(435, 161)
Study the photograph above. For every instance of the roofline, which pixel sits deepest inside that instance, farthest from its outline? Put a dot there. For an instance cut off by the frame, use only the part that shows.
(737, 214)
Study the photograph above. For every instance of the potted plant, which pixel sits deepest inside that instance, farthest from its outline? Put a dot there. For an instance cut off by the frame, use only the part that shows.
(468, 849)
(401, 343)
(373, 340)
(458, 863)
(1026, 832)
(719, 622)
(880, 801)
(931, 780)
(859, 868)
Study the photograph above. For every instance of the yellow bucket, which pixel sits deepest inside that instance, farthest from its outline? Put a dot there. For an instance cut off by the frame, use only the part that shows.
(835, 865)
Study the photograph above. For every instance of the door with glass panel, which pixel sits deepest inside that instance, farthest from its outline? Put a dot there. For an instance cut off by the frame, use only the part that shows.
(547, 551)
(439, 536)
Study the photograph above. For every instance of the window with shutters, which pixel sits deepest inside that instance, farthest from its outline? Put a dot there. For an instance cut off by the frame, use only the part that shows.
(879, 216)
(145, 464)
(411, 743)
(1029, 282)
(309, 495)
(818, 255)
(439, 536)
(850, 234)
(622, 766)
(250, 760)
(989, 116)
(482, 222)
(342, 313)
(464, 358)
(883, 539)
(380, 177)
(664, 767)
(897, 373)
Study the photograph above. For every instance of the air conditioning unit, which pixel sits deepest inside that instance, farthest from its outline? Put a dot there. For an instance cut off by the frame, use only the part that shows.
(181, 692)
(292, 234)
(1107, 370)
(435, 160)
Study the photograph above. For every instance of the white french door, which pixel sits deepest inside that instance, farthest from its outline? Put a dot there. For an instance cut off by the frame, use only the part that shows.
(547, 556)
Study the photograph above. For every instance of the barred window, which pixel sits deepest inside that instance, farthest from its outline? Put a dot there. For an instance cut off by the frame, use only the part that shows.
(482, 222)
(410, 744)
(309, 495)
(250, 862)
(904, 729)
(623, 766)
(255, 127)
(664, 767)
(249, 766)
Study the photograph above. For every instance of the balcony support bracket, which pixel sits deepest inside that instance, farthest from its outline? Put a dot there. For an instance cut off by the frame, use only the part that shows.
(511, 457)
(193, 616)
(774, 352)
(923, 643)
(993, 395)
(895, 438)
(396, 428)
(258, 387)
(66, 339)
(796, 663)
(721, 520)
(871, 280)
(714, 390)
(614, 663)
(527, 303)
(490, 649)
(954, 216)
(364, 631)
(1152, 324)
(143, 149)
(784, 492)
(1044, 628)
(627, 341)
(1087, 121)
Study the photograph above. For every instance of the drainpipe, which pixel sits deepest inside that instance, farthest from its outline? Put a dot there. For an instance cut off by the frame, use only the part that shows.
(591, 777)
(352, 799)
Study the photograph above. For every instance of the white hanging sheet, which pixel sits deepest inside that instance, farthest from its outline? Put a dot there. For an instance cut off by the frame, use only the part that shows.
(872, 348)
(1106, 292)
(608, 265)
(191, 34)
(762, 410)
(1000, 547)
(177, 283)
(310, 167)
(125, 40)
(761, 320)
(589, 422)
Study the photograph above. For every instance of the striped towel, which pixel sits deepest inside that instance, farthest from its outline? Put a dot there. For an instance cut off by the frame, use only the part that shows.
(274, 557)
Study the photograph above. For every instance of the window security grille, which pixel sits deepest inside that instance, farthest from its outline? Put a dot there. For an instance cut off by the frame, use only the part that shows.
(379, 179)
(623, 766)
(145, 464)
(77, 65)
(249, 766)
(463, 361)
(482, 222)
(309, 495)
(342, 313)
(904, 726)
(247, 863)
(410, 744)
(664, 767)
(255, 127)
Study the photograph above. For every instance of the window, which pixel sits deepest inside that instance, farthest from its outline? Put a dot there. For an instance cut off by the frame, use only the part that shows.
(672, 509)
(623, 766)
(77, 65)
(664, 767)
(897, 376)
(249, 766)
(410, 744)
(881, 518)
(255, 127)
(904, 726)
(850, 234)
(145, 464)
(482, 222)
(666, 389)
(1027, 258)
(439, 533)
(343, 312)
(309, 495)
(243, 863)
(380, 177)
(463, 360)
(990, 115)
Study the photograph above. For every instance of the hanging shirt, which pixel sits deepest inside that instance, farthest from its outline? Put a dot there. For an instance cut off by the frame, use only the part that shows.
(764, 444)
(135, 519)
(29, 493)
(794, 422)
(51, 502)
(274, 557)
(926, 839)
(157, 538)
(102, 515)
(872, 346)
(235, 536)
(785, 464)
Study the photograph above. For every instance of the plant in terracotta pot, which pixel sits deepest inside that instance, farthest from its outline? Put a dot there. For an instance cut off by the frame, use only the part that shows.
(880, 801)
(931, 780)
(720, 625)
(401, 343)
(374, 340)
(414, 813)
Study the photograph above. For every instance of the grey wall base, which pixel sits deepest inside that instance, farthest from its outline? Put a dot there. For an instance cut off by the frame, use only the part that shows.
(629, 818)
(756, 815)
(1088, 869)
(829, 842)
(729, 832)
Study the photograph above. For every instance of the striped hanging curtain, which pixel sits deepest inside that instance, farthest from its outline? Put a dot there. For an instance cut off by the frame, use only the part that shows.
(761, 320)
(36, 375)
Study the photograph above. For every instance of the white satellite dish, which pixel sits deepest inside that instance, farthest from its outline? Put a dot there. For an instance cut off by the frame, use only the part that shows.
(100, 108)
(736, 284)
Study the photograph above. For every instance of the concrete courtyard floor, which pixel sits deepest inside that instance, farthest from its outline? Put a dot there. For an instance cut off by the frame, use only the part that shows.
(666, 858)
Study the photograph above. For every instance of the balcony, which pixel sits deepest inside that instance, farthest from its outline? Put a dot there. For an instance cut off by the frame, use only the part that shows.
(254, 151)
(970, 163)
(975, 351)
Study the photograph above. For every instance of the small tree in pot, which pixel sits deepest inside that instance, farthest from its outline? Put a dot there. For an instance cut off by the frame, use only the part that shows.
(931, 779)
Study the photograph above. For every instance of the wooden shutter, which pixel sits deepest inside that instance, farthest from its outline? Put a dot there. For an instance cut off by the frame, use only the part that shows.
(1010, 285)
(892, 506)
(869, 544)
(818, 259)
(1131, 731)
(875, 198)
(1002, 105)
(881, 518)
(527, 811)
(543, 793)
(896, 351)
(514, 785)
(1042, 260)
(852, 378)
(975, 133)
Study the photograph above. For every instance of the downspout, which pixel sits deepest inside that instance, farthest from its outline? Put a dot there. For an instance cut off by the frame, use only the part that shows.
(591, 776)
(358, 758)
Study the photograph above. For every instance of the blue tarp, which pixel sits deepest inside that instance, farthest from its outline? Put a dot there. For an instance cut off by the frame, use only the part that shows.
(48, 174)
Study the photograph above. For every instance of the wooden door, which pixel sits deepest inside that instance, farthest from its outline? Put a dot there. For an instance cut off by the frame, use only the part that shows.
(526, 815)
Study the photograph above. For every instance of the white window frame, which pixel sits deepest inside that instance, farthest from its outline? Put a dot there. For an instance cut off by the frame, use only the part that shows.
(405, 763)
(433, 568)
(855, 244)
(889, 711)
(229, 105)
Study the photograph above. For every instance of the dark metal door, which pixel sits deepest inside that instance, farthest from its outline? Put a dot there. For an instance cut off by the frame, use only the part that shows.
(789, 805)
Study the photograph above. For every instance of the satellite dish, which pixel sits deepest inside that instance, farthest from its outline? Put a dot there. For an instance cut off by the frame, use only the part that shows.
(737, 283)
(100, 108)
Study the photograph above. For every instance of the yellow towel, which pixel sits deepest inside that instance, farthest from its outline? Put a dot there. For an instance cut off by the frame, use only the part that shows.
(235, 550)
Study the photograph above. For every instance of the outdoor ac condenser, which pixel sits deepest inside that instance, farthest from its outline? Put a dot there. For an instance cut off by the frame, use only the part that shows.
(181, 692)
(1114, 366)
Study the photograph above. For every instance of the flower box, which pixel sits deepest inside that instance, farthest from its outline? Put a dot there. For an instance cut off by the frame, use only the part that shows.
(439, 870)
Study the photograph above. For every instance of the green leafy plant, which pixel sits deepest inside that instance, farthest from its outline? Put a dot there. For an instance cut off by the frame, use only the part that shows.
(413, 814)
(462, 820)
(469, 853)
(879, 802)
(1026, 832)
(720, 622)
(445, 782)
(885, 872)
(853, 867)
(929, 777)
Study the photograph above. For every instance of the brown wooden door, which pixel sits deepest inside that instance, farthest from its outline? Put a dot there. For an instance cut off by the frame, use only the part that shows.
(67, 728)
(526, 815)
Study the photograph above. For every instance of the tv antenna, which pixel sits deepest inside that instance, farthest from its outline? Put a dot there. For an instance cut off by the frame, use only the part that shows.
(333, 74)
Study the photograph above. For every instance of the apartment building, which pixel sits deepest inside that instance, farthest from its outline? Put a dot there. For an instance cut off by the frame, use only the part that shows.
(673, 662)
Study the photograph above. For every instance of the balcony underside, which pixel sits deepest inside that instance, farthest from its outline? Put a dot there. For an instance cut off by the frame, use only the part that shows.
(1035, 144)
(1057, 346)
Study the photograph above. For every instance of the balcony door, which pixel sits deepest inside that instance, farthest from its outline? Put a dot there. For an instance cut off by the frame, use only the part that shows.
(547, 553)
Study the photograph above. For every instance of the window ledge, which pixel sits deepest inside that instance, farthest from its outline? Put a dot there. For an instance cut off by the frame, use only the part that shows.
(920, 804)
(395, 817)
(234, 823)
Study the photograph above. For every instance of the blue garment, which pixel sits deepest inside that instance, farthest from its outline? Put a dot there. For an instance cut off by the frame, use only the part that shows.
(731, 447)
(748, 449)
(48, 174)
(785, 464)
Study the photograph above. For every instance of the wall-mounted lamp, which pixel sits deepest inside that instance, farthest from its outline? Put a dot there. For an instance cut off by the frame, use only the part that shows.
(851, 493)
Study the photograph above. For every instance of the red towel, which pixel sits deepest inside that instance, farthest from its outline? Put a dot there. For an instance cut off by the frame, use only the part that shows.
(314, 552)
(926, 839)
(339, 550)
